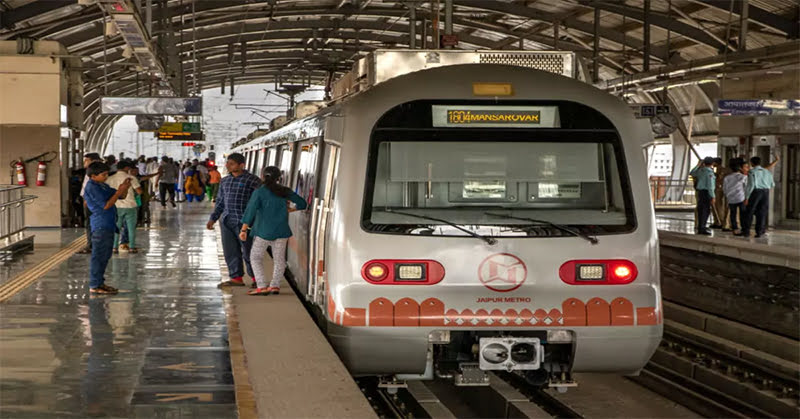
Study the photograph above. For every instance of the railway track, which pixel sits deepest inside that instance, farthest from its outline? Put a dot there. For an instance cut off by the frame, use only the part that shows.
(507, 396)
(719, 377)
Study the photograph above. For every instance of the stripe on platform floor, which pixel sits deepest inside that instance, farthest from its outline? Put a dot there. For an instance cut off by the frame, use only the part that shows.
(28, 277)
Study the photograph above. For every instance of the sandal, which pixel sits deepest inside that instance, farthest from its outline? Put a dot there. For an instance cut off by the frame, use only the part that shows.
(254, 285)
(104, 289)
(259, 291)
(133, 250)
(85, 251)
(273, 291)
(115, 251)
(230, 283)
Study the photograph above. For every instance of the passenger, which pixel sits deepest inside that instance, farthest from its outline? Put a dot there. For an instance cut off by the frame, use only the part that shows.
(213, 183)
(111, 161)
(101, 200)
(166, 181)
(88, 159)
(705, 192)
(127, 208)
(267, 214)
(193, 186)
(234, 194)
(720, 212)
(756, 202)
(733, 187)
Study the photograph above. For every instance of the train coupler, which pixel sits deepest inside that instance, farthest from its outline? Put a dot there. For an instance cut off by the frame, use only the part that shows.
(470, 374)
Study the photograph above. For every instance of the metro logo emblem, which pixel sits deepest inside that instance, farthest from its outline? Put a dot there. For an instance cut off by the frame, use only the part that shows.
(502, 272)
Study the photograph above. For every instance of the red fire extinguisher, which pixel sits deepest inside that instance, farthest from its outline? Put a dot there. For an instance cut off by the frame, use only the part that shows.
(41, 173)
(19, 168)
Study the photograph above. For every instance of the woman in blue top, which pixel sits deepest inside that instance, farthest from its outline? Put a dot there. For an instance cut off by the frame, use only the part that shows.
(267, 218)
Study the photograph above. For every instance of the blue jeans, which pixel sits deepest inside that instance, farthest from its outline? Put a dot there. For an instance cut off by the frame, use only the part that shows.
(234, 249)
(102, 245)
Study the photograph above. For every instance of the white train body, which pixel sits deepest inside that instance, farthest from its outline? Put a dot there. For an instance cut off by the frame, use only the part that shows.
(403, 294)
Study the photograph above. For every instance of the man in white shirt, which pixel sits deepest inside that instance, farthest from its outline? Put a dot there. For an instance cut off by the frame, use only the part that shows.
(127, 208)
(88, 159)
(733, 186)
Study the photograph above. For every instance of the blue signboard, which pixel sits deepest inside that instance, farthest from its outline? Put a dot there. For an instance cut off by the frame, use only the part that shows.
(758, 107)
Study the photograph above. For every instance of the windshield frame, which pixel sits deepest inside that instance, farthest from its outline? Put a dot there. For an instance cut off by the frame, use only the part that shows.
(408, 121)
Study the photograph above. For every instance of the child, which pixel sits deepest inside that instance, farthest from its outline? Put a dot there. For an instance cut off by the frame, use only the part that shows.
(267, 207)
(100, 199)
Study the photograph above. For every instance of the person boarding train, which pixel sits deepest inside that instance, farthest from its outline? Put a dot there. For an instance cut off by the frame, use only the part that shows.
(267, 219)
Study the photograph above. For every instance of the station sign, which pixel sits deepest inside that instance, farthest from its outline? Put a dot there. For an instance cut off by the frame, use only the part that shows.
(757, 107)
(649, 110)
(151, 105)
(180, 136)
(455, 116)
(180, 127)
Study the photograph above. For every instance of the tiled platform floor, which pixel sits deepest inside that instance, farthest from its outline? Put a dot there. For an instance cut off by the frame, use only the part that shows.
(157, 349)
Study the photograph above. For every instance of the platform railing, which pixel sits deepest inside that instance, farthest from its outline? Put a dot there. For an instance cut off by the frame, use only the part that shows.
(12, 212)
(672, 192)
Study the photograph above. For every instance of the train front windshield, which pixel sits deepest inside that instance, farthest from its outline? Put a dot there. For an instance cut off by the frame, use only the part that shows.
(505, 177)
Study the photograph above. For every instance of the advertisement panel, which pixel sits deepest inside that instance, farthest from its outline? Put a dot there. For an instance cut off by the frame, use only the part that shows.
(151, 105)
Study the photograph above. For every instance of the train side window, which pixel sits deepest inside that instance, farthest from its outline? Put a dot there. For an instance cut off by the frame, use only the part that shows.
(305, 180)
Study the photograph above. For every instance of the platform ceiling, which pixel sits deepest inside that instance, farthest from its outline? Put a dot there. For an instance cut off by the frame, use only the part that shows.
(304, 41)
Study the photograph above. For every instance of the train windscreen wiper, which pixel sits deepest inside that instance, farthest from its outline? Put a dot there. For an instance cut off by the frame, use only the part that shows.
(488, 240)
(577, 233)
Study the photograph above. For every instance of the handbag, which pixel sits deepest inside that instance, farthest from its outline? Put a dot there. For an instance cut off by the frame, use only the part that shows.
(138, 200)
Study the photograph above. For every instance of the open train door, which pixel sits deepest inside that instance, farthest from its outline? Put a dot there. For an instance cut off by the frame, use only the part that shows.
(321, 208)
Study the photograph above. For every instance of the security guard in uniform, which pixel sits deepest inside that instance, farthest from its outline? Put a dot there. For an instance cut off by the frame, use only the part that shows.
(705, 192)
(756, 194)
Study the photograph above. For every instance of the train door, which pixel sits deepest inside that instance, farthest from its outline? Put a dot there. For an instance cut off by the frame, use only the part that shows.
(792, 171)
(304, 184)
(320, 221)
(272, 152)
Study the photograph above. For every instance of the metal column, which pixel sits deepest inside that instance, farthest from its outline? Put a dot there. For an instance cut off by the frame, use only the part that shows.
(646, 40)
(448, 17)
(596, 47)
(744, 17)
(412, 27)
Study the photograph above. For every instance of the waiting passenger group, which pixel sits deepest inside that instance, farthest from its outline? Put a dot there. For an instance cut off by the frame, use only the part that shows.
(253, 213)
(743, 191)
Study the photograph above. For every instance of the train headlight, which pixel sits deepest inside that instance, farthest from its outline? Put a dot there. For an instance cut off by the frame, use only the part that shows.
(409, 272)
(591, 272)
(377, 271)
(495, 353)
(622, 272)
(598, 272)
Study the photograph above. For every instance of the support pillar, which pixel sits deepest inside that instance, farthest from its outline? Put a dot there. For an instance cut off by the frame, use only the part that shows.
(35, 89)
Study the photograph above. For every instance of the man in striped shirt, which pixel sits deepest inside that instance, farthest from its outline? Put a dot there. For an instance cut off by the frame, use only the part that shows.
(234, 194)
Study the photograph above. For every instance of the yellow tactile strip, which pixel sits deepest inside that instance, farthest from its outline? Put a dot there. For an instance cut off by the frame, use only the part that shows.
(23, 280)
(245, 400)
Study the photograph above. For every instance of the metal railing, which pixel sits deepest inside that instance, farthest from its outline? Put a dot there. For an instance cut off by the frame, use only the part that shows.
(12, 213)
(672, 192)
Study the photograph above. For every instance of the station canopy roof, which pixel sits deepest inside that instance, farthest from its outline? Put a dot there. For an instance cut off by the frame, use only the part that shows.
(205, 43)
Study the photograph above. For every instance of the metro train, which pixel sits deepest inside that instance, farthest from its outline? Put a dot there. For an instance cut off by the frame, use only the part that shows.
(473, 211)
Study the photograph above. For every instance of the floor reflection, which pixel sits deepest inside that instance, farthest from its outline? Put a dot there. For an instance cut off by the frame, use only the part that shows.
(65, 353)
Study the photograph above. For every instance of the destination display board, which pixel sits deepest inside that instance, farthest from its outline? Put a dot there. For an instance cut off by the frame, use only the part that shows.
(180, 127)
(180, 136)
(458, 116)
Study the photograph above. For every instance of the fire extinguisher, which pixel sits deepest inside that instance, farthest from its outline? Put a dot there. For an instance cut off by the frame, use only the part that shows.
(41, 173)
(19, 168)
(41, 169)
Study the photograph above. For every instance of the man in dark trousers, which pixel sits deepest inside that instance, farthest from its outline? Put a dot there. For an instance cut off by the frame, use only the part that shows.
(705, 192)
(234, 194)
(756, 202)
(88, 159)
